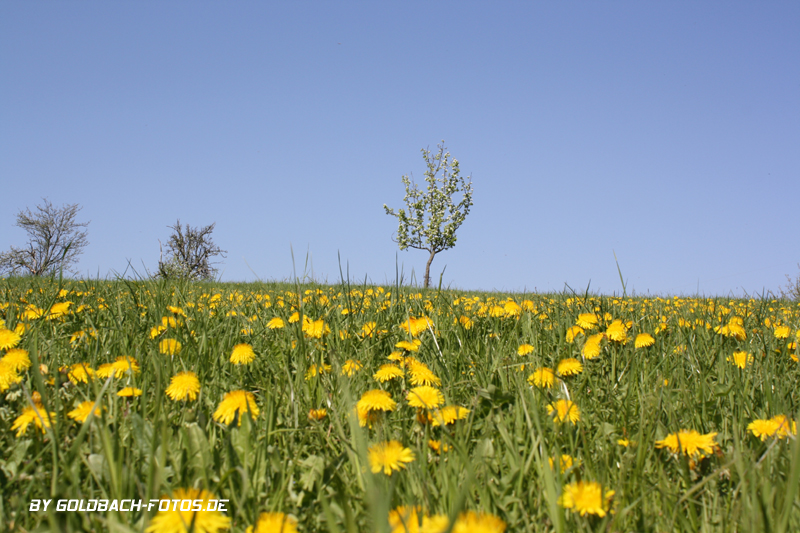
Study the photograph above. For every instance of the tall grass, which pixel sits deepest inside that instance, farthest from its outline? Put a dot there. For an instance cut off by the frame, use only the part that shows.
(499, 456)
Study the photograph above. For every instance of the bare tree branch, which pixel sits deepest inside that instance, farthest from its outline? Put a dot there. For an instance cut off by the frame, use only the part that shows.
(189, 253)
(55, 240)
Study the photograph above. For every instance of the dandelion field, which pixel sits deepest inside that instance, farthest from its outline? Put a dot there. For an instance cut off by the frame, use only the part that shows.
(360, 408)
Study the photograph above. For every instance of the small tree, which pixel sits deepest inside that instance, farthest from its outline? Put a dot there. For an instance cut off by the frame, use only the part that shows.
(432, 218)
(55, 240)
(792, 289)
(189, 253)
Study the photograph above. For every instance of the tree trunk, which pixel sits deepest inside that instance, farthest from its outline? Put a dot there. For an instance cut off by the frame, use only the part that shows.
(428, 270)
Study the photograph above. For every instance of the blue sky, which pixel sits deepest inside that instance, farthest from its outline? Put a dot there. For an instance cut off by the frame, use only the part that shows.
(666, 133)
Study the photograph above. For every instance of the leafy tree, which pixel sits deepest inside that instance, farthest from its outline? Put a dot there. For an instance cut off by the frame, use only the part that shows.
(55, 240)
(189, 253)
(431, 218)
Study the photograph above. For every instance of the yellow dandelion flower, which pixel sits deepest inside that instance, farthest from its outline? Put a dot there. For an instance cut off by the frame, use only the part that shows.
(586, 497)
(236, 401)
(782, 332)
(564, 410)
(425, 397)
(438, 447)
(565, 462)
(155, 331)
(275, 323)
(472, 522)
(350, 367)
(315, 369)
(572, 332)
(617, 331)
(8, 376)
(129, 392)
(169, 347)
(119, 368)
(689, 442)
(587, 320)
(388, 457)
(449, 414)
(315, 329)
(36, 415)
(273, 523)
(466, 322)
(542, 377)
(8, 339)
(643, 340)
(415, 326)
(422, 375)
(182, 386)
(411, 520)
(17, 358)
(317, 414)
(388, 372)
(174, 520)
(79, 373)
(411, 346)
(370, 403)
(82, 411)
(176, 310)
(58, 310)
(741, 359)
(569, 367)
(591, 348)
(242, 354)
(524, 349)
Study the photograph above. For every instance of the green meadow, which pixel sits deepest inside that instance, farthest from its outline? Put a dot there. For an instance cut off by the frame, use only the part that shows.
(351, 409)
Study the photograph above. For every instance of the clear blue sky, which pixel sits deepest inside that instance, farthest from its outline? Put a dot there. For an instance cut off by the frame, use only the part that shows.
(665, 132)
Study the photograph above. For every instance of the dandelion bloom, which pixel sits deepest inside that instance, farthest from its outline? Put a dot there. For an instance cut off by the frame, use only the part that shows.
(438, 447)
(572, 332)
(643, 340)
(371, 402)
(524, 349)
(238, 400)
(129, 392)
(169, 347)
(741, 359)
(183, 385)
(564, 410)
(79, 373)
(472, 522)
(778, 426)
(273, 523)
(315, 369)
(689, 442)
(388, 372)
(8, 376)
(425, 397)
(587, 320)
(565, 462)
(591, 348)
(37, 415)
(389, 456)
(420, 374)
(317, 414)
(411, 520)
(569, 367)
(82, 411)
(175, 520)
(586, 497)
(275, 323)
(350, 367)
(782, 332)
(411, 346)
(119, 367)
(617, 331)
(242, 354)
(315, 329)
(542, 377)
(466, 322)
(448, 415)
(17, 358)
(8, 339)
(415, 326)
